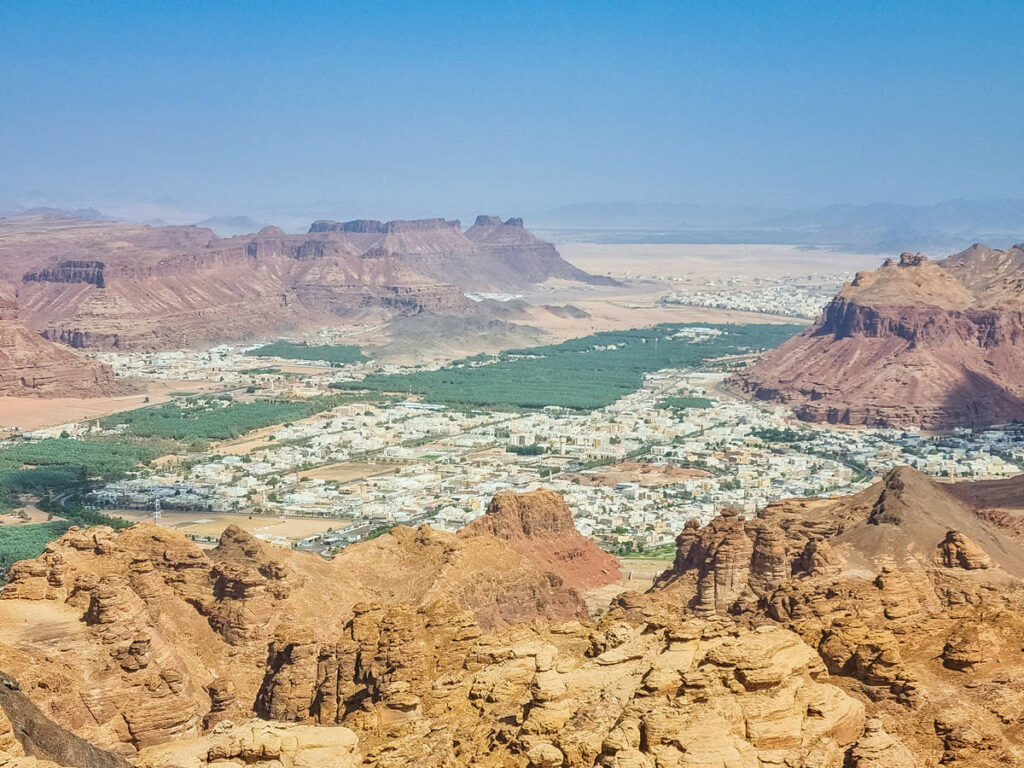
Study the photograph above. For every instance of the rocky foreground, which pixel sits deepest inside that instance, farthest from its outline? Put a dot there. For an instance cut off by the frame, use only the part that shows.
(881, 630)
(931, 344)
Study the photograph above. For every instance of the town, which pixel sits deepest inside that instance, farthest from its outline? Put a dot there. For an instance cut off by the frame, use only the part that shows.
(679, 448)
(793, 296)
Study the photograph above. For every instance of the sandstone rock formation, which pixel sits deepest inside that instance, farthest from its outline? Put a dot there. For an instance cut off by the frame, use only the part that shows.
(115, 285)
(258, 744)
(934, 344)
(538, 525)
(900, 589)
(831, 633)
(31, 366)
(25, 732)
(162, 639)
(434, 691)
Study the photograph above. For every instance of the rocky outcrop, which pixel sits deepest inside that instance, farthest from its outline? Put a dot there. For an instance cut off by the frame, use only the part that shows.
(906, 592)
(655, 692)
(509, 247)
(934, 344)
(258, 744)
(969, 645)
(877, 749)
(161, 639)
(25, 732)
(116, 285)
(90, 272)
(539, 526)
(824, 633)
(958, 551)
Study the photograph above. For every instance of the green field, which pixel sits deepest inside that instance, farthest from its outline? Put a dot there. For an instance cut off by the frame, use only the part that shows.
(335, 354)
(197, 421)
(580, 374)
(60, 465)
(21, 542)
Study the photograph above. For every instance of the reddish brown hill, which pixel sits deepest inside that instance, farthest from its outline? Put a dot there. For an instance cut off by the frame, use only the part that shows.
(935, 345)
(109, 284)
(539, 526)
(31, 366)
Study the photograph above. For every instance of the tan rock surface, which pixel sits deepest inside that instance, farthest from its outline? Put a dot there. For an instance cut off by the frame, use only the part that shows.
(908, 594)
(258, 744)
(160, 639)
(767, 643)
(31, 366)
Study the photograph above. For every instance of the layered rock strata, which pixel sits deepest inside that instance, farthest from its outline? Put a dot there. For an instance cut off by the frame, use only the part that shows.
(125, 286)
(931, 344)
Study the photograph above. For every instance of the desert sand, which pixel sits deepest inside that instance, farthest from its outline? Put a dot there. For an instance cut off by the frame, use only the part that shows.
(28, 413)
(637, 260)
(347, 471)
(213, 524)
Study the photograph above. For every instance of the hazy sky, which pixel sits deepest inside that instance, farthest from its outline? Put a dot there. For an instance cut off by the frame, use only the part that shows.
(450, 106)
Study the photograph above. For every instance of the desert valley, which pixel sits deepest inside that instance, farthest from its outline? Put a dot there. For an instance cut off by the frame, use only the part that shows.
(419, 494)
(516, 385)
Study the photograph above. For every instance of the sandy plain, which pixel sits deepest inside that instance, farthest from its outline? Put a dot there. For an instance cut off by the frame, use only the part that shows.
(213, 524)
(28, 413)
(347, 471)
(711, 261)
(649, 272)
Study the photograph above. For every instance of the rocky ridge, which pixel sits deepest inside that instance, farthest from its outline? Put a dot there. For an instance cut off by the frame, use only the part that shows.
(882, 629)
(911, 598)
(114, 285)
(932, 344)
(163, 639)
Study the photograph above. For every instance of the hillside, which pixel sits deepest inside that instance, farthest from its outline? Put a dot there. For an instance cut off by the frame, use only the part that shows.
(935, 345)
(114, 285)
(31, 366)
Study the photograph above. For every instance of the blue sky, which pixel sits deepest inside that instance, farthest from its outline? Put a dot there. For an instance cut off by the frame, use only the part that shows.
(510, 106)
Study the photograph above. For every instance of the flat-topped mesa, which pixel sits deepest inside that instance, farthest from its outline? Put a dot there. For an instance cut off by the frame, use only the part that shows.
(357, 225)
(935, 344)
(372, 226)
(131, 287)
(69, 272)
(539, 526)
(422, 225)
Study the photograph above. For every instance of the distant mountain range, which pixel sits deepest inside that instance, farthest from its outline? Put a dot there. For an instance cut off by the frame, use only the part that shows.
(871, 228)
(106, 284)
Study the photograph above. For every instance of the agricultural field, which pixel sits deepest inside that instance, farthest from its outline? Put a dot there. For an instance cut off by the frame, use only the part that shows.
(580, 374)
(196, 422)
(58, 465)
(335, 354)
(21, 542)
